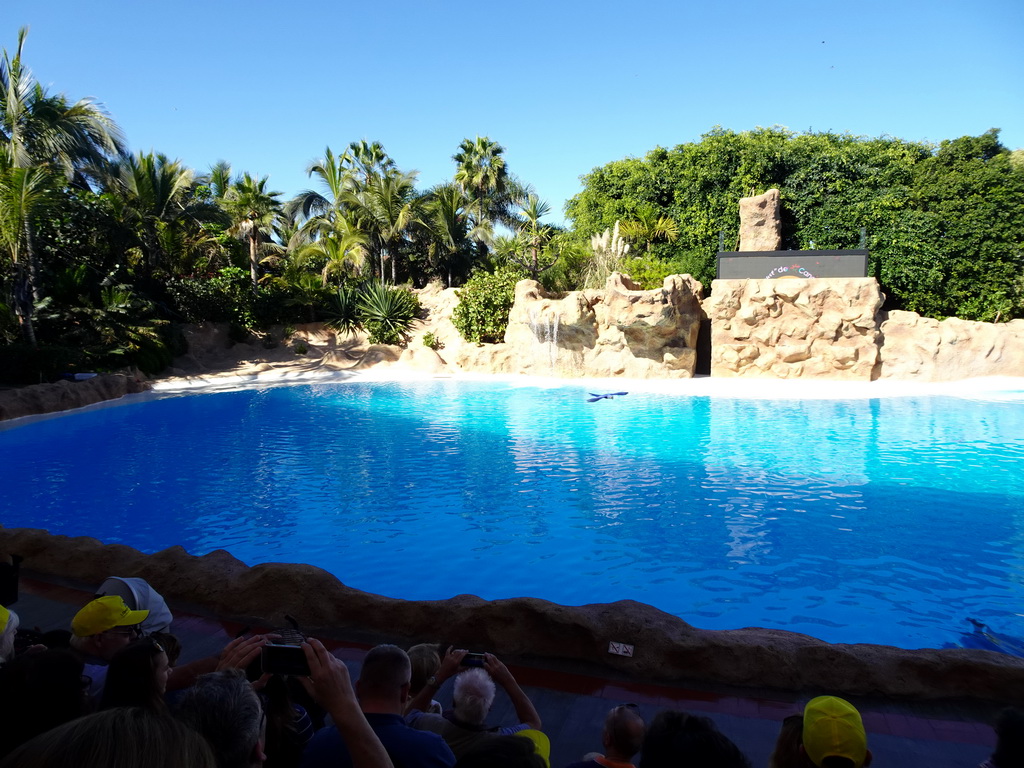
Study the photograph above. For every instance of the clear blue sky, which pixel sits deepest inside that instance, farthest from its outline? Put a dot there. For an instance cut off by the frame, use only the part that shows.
(564, 86)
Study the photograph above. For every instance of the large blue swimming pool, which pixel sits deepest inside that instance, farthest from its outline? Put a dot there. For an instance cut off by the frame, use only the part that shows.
(877, 520)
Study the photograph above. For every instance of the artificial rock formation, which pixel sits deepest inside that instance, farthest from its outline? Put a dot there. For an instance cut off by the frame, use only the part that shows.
(925, 349)
(761, 222)
(667, 649)
(65, 395)
(618, 331)
(795, 328)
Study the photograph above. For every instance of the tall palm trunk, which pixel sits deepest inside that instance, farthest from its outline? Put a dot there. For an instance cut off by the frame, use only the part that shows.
(253, 250)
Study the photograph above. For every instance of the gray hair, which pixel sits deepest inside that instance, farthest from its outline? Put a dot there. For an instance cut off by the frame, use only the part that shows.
(224, 709)
(473, 696)
(7, 637)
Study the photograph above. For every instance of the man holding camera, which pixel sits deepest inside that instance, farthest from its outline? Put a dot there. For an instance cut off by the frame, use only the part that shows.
(465, 725)
(382, 689)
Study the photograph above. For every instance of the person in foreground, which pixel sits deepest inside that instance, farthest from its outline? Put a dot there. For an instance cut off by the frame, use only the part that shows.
(102, 628)
(122, 737)
(678, 738)
(465, 726)
(834, 734)
(382, 690)
(622, 737)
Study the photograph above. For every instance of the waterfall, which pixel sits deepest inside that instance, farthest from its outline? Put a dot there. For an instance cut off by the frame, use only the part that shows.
(545, 327)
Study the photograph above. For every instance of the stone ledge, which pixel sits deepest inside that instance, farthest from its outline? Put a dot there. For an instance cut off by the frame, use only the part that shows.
(668, 650)
(65, 395)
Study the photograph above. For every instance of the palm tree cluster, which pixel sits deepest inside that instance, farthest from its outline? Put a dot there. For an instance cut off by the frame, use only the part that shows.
(103, 251)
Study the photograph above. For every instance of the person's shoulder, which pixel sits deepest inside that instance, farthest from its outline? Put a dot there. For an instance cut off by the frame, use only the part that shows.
(425, 721)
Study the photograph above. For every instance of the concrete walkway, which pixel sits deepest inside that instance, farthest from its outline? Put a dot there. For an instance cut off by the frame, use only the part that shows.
(928, 734)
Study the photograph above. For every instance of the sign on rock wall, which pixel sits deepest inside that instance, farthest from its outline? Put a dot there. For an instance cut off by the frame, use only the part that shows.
(773, 265)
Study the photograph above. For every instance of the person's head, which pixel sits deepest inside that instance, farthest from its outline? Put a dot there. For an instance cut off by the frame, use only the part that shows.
(40, 691)
(115, 738)
(678, 738)
(105, 626)
(425, 661)
(623, 733)
(137, 676)
(1009, 738)
(472, 696)
(170, 644)
(8, 629)
(383, 684)
(502, 752)
(833, 734)
(787, 752)
(225, 710)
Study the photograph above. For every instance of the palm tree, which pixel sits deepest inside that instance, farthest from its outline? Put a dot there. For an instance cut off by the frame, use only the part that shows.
(365, 159)
(25, 193)
(40, 128)
(484, 179)
(535, 235)
(155, 198)
(384, 209)
(649, 226)
(253, 211)
(446, 219)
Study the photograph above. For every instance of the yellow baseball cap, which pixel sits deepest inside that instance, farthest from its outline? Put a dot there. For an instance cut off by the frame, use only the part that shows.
(833, 728)
(105, 613)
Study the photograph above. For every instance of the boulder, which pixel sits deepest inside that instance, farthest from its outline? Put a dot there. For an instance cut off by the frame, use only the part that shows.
(621, 330)
(795, 328)
(65, 395)
(926, 349)
(761, 222)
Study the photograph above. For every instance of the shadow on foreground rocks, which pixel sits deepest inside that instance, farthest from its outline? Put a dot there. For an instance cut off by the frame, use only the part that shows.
(667, 649)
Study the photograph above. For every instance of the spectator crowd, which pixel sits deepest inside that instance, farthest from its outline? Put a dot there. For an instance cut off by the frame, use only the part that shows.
(110, 692)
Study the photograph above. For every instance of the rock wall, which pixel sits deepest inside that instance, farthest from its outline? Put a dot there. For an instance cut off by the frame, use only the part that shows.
(761, 222)
(65, 395)
(795, 328)
(618, 331)
(667, 649)
(925, 349)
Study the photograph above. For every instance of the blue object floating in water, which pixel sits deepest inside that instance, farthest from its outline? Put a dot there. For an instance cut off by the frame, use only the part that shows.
(595, 397)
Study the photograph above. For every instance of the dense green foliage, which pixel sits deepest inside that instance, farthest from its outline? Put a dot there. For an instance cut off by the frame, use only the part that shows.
(484, 303)
(104, 254)
(945, 225)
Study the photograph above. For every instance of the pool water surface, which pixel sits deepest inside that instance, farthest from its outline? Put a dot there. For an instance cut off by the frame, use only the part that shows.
(891, 520)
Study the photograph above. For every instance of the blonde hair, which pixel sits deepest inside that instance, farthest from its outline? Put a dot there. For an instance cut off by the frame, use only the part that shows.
(124, 737)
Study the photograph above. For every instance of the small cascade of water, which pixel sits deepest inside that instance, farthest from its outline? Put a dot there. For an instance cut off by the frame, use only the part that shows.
(545, 327)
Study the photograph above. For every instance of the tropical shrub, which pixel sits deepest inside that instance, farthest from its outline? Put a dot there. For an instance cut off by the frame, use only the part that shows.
(386, 312)
(484, 304)
(650, 272)
(342, 309)
(430, 341)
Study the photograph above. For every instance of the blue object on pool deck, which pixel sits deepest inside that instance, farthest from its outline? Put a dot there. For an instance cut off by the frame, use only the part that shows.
(884, 521)
(594, 398)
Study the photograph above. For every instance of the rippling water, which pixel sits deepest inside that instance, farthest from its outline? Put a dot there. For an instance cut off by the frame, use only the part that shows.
(888, 520)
